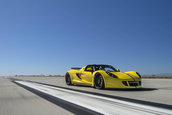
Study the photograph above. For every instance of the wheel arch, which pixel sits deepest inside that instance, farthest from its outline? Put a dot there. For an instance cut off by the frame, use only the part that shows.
(70, 74)
(102, 74)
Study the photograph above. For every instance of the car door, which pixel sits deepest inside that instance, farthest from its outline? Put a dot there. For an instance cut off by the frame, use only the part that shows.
(87, 75)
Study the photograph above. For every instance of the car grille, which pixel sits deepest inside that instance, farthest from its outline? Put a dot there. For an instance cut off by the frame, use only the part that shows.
(133, 83)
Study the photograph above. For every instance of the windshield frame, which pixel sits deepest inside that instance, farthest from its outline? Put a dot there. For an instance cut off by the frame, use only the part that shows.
(97, 67)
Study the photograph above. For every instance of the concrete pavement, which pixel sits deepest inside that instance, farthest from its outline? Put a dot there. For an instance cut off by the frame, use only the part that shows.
(154, 90)
(93, 103)
(15, 100)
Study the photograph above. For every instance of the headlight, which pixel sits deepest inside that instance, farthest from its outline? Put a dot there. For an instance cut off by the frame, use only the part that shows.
(112, 75)
(139, 75)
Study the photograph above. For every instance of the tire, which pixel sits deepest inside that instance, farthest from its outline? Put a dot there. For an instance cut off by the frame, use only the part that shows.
(99, 82)
(68, 79)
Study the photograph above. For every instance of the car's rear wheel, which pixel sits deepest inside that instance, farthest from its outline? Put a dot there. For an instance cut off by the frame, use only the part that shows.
(68, 79)
(99, 81)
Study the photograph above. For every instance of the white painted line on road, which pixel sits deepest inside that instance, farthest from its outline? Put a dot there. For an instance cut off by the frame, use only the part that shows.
(104, 105)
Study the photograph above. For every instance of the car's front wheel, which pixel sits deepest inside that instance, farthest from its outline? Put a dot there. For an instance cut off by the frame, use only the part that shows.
(99, 81)
(68, 79)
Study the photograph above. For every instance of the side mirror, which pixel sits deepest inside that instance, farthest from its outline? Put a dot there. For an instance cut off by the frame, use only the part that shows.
(89, 69)
(118, 70)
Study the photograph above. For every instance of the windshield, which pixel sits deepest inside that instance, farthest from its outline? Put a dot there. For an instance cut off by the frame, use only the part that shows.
(106, 68)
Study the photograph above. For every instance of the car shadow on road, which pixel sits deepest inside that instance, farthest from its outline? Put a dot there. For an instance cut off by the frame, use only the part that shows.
(133, 89)
(77, 85)
(122, 89)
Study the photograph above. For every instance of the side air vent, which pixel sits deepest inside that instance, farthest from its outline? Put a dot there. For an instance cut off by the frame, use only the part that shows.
(78, 75)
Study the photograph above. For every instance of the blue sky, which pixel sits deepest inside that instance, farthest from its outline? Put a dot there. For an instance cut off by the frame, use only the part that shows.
(50, 36)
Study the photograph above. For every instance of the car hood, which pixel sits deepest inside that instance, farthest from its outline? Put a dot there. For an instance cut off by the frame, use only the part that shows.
(121, 75)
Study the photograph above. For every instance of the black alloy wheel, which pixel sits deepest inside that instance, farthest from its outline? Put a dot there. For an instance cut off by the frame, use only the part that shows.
(99, 82)
(68, 80)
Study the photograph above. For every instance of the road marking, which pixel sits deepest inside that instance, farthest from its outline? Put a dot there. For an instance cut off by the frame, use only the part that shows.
(104, 105)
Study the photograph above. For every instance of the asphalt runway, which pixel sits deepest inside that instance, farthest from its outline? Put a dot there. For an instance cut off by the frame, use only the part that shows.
(19, 100)
(15, 100)
(153, 90)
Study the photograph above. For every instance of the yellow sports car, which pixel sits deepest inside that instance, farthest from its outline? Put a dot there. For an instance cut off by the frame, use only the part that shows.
(103, 76)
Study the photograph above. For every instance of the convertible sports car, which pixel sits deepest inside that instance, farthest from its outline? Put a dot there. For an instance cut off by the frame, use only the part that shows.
(103, 76)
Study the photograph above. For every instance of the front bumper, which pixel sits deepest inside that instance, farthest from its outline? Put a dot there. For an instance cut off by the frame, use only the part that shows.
(123, 83)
